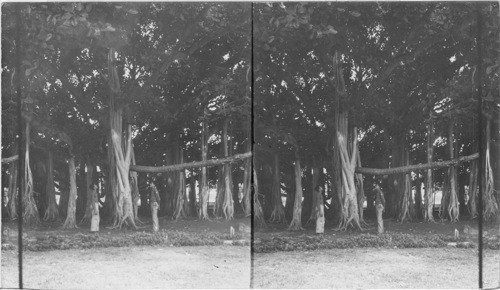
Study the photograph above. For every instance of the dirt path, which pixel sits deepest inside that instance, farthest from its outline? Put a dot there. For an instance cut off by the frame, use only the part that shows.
(375, 268)
(132, 267)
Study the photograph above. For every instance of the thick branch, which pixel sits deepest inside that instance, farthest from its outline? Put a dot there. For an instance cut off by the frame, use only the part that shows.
(10, 159)
(416, 167)
(177, 167)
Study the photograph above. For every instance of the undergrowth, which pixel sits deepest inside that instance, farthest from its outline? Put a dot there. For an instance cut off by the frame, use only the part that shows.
(388, 240)
(162, 238)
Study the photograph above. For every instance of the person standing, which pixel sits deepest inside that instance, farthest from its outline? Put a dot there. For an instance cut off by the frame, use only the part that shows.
(380, 207)
(154, 201)
(94, 222)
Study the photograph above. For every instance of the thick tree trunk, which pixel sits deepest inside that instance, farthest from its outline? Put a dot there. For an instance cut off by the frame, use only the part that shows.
(348, 163)
(315, 195)
(111, 184)
(70, 222)
(247, 188)
(88, 182)
(219, 198)
(429, 184)
(30, 211)
(473, 188)
(121, 150)
(203, 210)
(296, 223)
(453, 209)
(192, 195)
(490, 204)
(13, 190)
(278, 210)
(402, 182)
(360, 189)
(136, 197)
(258, 213)
(228, 206)
(418, 198)
(52, 212)
(461, 196)
(181, 191)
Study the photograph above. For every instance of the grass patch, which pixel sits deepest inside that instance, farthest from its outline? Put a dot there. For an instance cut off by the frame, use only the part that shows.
(163, 238)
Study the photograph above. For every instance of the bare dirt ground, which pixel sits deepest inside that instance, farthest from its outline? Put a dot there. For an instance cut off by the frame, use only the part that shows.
(131, 268)
(375, 268)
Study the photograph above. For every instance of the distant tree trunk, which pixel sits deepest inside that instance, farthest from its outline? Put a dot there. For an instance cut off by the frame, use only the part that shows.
(52, 212)
(296, 223)
(429, 184)
(203, 211)
(70, 222)
(278, 211)
(181, 191)
(228, 206)
(13, 190)
(258, 214)
(30, 212)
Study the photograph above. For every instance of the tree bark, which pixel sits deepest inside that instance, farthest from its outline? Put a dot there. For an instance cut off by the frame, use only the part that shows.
(453, 206)
(296, 223)
(192, 195)
(88, 182)
(278, 210)
(13, 190)
(258, 213)
(360, 189)
(314, 204)
(181, 193)
(30, 212)
(247, 187)
(70, 222)
(52, 212)
(203, 210)
(490, 204)
(228, 206)
(136, 197)
(429, 184)
(348, 163)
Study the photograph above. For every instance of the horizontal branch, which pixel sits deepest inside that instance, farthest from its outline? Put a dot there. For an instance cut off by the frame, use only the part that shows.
(10, 159)
(416, 167)
(196, 164)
